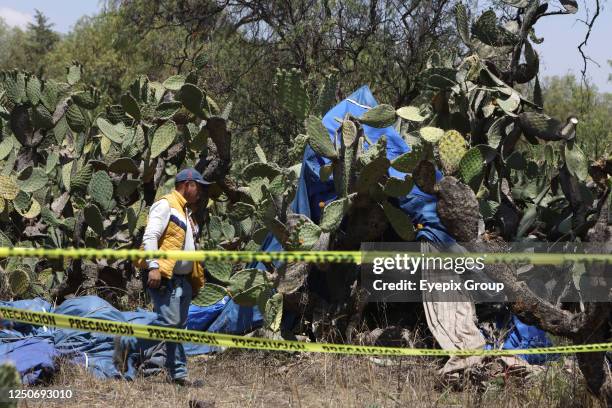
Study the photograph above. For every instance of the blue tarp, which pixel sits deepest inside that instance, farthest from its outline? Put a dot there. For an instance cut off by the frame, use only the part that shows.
(524, 336)
(33, 349)
(419, 205)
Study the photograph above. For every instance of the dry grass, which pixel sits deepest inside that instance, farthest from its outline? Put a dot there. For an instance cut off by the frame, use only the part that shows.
(241, 378)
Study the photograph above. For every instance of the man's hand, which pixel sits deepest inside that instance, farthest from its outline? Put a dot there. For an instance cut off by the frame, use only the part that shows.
(154, 279)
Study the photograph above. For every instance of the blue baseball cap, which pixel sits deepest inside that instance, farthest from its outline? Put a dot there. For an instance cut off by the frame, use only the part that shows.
(191, 174)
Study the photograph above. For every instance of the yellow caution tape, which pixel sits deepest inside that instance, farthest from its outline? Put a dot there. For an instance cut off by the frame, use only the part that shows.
(294, 256)
(227, 340)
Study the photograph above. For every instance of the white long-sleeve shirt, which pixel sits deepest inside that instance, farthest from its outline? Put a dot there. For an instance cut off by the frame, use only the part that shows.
(159, 216)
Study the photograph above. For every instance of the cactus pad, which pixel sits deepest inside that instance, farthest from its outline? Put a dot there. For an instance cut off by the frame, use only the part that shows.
(400, 221)
(113, 132)
(244, 279)
(372, 173)
(22, 127)
(410, 113)
(209, 295)
(32, 179)
(93, 218)
(33, 88)
(174, 83)
(333, 214)
(88, 99)
(240, 211)
(318, 138)
(166, 110)
(81, 179)
(406, 162)
(163, 137)
(470, 167)
(273, 312)
(14, 86)
(291, 92)
(42, 118)
(219, 270)
(123, 165)
(33, 211)
(431, 134)
(250, 296)
(191, 96)
(398, 188)
(489, 32)
(380, 116)
(19, 280)
(8, 188)
(539, 125)
(452, 147)
(130, 106)
(6, 147)
(74, 73)
(258, 169)
(100, 188)
(424, 176)
(75, 118)
(10, 379)
(458, 209)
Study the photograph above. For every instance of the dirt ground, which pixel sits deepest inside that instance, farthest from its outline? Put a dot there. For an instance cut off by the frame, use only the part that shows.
(242, 378)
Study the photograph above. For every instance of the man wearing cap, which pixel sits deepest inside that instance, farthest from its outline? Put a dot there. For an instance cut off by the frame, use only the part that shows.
(173, 284)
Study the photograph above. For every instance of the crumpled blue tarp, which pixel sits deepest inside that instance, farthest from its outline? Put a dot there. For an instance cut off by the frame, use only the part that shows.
(524, 336)
(419, 205)
(33, 357)
(34, 348)
(232, 319)
(311, 190)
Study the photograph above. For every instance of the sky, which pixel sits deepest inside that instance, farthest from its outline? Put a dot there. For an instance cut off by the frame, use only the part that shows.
(558, 53)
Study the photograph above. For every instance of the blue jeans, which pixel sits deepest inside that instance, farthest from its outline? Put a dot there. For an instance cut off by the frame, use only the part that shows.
(172, 306)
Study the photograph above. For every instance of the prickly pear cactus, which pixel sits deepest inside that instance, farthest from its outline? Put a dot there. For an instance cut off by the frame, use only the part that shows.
(19, 281)
(458, 209)
(451, 148)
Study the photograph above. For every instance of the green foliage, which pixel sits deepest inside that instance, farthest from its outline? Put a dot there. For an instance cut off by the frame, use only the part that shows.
(9, 380)
(163, 137)
(32, 179)
(452, 148)
(209, 295)
(273, 312)
(19, 280)
(318, 138)
(100, 188)
(379, 116)
(471, 166)
(400, 221)
(292, 93)
(152, 128)
(486, 29)
(332, 215)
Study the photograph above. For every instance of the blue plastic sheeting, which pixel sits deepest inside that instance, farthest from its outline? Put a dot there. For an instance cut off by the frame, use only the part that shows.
(419, 205)
(200, 317)
(311, 190)
(33, 348)
(524, 336)
(33, 357)
(23, 329)
(233, 319)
